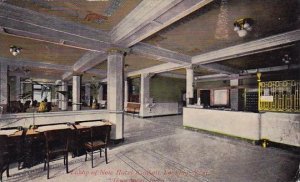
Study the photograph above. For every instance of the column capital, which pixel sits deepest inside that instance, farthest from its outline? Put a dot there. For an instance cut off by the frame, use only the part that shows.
(234, 76)
(189, 67)
(150, 75)
(76, 73)
(116, 51)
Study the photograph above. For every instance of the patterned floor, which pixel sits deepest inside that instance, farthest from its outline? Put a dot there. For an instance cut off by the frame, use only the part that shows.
(160, 150)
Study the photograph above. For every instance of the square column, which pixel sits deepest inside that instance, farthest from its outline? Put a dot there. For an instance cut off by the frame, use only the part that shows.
(88, 94)
(125, 93)
(100, 93)
(3, 88)
(145, 93)
(18, 87)
(76, 93)
(189, 85)
(59, 97)
(234, 94)
(115, 90)
(64, 97)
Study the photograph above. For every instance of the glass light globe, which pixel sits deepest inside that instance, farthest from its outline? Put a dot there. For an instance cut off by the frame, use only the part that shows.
(246, 25)
(236, 28)
(249, 28)
(14, 53)
(242, 33)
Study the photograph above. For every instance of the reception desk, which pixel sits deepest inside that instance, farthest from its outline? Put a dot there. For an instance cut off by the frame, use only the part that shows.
(277, 127)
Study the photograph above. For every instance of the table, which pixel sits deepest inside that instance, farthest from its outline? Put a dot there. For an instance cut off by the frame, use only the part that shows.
(33, 140)
(8, 132)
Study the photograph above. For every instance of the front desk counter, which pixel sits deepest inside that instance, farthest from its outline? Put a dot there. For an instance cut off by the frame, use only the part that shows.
(277, 127)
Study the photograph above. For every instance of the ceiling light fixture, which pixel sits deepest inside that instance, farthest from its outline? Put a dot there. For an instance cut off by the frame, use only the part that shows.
(286, 59)
(242, 26)
(15, 50)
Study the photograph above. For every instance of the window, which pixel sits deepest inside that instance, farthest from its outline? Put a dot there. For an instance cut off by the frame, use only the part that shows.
(219, 97)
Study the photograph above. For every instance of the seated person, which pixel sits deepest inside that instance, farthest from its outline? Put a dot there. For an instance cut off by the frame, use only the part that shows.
(34, 103)
(49, 106)
(26, 105)
(43, 106)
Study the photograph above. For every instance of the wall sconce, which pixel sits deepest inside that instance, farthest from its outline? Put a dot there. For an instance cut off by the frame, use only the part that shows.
(242, 26)
(15, 50)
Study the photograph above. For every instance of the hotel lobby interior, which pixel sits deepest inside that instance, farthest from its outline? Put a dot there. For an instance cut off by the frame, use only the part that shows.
(164, 90)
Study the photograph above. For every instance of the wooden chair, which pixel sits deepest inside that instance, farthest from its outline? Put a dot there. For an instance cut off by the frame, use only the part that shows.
(4, 157)
(15, 146)
(99, 136)
(57, 145)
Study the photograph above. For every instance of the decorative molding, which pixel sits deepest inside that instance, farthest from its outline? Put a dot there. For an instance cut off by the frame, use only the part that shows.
(117, 50)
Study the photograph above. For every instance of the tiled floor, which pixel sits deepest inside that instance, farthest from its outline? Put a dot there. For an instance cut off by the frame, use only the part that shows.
(159, 149)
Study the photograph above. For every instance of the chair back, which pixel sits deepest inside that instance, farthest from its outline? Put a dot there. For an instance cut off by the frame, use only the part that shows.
(3, 151)
(57, 139)
(100, 133)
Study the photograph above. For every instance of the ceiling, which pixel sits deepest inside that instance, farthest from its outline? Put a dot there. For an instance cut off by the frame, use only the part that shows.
(266, 59)
(211, 27)
(102, 14)
(39, 51)
(208, 28)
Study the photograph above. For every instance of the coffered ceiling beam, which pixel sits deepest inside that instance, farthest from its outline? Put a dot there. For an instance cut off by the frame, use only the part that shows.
(172, 75)
(51, 40)
(219, 68)
(156, 69)
(271, 69)
(249, 48)
(52, 77)
(166, 55)
(86, 64)
(88, 61)
(33, 18)
(158, 53)
(257, 46)
(34, 64)
(151, 16)
(45, 66)
(23, 22)
(246, 73)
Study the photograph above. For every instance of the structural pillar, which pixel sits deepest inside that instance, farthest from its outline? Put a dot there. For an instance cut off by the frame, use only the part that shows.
(3, 88)
(18, 87)
(59, 97)
(115, 90)
(145, 93)
(100, 93)
(234, 94)
(76, 93)
(64, 97)
(88, 94)
(189, 86)
(125, 92)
